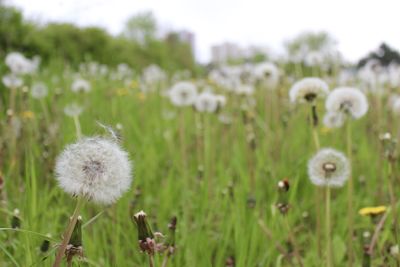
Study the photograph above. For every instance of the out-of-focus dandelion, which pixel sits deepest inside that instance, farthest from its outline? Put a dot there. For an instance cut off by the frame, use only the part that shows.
(73, 110)
(244, 89)
(267, 74)
(334, 120)
(347, 100)
(183, 94)
(206, 102)
(12, 81)
(80, 85)
(18, 63)
(308, 90)
(39, 90)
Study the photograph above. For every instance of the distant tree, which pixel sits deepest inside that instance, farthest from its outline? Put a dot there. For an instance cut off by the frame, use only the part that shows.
(384, 55)
(309, 42)
(141, 27)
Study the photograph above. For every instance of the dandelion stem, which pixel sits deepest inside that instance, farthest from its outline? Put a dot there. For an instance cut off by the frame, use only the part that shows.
(68, 232)
(328, 227)
(392, 198)
(292, 240)
(45, 112)
(165, 260)
(375, 236)
(77, 127)
(317, 193)
(314, 126)
(350, 209)
(151, 260)
(269, 234)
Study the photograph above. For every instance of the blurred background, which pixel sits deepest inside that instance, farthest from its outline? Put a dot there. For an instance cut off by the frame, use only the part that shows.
(181, 34)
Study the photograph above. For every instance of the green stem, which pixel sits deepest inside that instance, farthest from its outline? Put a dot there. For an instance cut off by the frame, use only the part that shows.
(393, 200)
(151, 260)
(328, 227)
(77, 127)
(350, 189)
(68, 232)
(292, 240)
(317, 193)
(165, 260)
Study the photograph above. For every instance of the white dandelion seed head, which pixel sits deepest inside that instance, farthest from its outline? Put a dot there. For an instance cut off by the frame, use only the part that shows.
(268, 74)
(347, 100)
(183, 94)
(394, 103)
(244, 89)
(73, 110)
(80, 85)
(206, 102)
(18, 63)
(95, 168)
(39, 90)
(334, 120)
(16, 126)
(12, 81)
(221, 100)
(329, 167)
(308, 90)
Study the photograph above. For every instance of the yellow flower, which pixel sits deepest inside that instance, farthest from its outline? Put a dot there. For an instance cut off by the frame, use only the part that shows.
(134, 84)
(28, 114)
(122, 92)
(141, 96)
(325, 130)
(372, 210)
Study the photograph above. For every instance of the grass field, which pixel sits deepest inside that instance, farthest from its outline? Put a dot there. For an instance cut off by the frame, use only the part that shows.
(218, 173)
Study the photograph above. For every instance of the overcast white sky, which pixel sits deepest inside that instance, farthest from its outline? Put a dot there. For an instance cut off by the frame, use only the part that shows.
(358, 25)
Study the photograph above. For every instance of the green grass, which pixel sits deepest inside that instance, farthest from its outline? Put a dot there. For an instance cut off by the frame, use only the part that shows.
(215, 221)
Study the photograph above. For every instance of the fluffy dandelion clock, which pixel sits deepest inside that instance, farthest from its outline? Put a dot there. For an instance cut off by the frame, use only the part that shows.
(329, 168)
(308, 90)
(94, 168)
(73, 110)
(268, 74)
(12, 81)
(244, 89)
(334, 120)
(17, 63)
(183, 94)
(396, 106)
(347, 100)
(39, 90)
(80, 85)
(206, 102)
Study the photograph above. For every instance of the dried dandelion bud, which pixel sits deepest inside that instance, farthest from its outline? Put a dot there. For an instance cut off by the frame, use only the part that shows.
(170, 242)
(251, 202)
(284, 185)
(230, 262)
(145, 235)
(394, 250)
(75, 247)
(389, 146)
(283, 203)
(44, 247)
(16, 220)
